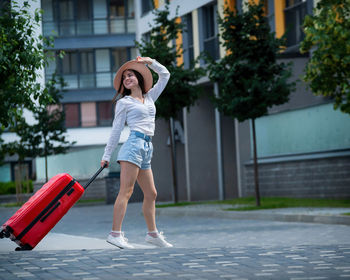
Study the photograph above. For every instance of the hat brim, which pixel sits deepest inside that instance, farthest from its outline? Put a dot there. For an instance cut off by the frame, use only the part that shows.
(137, 66)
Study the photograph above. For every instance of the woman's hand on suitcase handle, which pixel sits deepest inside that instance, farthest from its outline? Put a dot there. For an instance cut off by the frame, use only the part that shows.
(104, 163)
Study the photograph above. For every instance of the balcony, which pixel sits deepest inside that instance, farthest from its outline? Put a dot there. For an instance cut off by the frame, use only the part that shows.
(72, 28)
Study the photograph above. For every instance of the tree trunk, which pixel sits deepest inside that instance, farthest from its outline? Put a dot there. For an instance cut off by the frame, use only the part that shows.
(173, 158)
(18, 182)
(256, 172)
(46, 175)
(27, 178)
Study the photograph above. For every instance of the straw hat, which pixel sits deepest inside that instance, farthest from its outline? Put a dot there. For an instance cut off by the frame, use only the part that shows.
(139, 67)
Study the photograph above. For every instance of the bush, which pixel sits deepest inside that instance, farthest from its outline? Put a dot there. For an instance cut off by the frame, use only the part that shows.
(10, 187)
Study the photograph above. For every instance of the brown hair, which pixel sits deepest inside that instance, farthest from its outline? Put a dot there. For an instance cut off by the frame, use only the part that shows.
(126, 91)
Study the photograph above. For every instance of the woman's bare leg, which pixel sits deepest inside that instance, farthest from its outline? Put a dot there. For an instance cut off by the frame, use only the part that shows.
(128, 175)
(146, 182)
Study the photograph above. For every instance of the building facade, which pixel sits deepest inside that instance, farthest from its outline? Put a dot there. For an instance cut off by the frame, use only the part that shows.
(303, 145)
(97, 37)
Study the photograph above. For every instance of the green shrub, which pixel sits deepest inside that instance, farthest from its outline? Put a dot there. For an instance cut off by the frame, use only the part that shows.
(10, 187)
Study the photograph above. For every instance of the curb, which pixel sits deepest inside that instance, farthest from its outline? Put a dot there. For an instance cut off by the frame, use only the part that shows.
(254, 215)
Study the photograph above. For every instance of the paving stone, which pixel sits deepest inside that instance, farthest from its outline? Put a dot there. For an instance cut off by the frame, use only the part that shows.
(205, 248)
(185, 264)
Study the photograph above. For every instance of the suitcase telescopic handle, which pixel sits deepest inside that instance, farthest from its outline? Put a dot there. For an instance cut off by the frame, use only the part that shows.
(95, 175)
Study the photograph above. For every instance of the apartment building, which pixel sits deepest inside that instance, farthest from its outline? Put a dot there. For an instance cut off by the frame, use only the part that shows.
(303, 145)
(97, 36)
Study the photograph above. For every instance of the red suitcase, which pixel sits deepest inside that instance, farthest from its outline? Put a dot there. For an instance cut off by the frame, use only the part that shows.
(30, 224)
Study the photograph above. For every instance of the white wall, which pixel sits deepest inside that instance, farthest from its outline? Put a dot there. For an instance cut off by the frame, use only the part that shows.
(185, 7)
(94, 135)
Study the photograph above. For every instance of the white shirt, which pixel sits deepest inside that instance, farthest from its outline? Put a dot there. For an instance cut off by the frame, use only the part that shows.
(138, 116)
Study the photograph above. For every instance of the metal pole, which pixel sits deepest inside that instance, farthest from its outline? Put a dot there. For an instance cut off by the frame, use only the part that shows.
(219, 148)
(173, 157)
(256, 172)
(187, 158)
(238, 159)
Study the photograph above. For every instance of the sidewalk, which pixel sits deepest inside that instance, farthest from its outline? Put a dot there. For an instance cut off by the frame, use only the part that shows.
(277, 263)
(209, 243)
(298, 214)
(73, 233)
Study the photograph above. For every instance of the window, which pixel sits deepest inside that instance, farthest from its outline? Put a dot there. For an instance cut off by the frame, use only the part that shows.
(187, 36)
(86, 77)
(295, 13)
(84, 15)
(146, 36)
(116, 8)
(210, 31)
(270, 11)
(100, 23)
(131, 27)
(146, 6)
(116, 15)
(83, 69)
(239, 6)
(69, 69)
(88, 114)
(104, 113)
(87, 17)
(50, 69)
(103, 68)
(131, 8)
(119, 57)
(66, 17)
(72, 112)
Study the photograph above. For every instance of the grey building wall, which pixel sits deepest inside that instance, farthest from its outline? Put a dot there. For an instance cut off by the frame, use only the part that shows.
(319, 178)
(202, 150)
(202, 155)
(302, 97)
(244, 151)
(161, 164)
(229, 158)
(322, 174)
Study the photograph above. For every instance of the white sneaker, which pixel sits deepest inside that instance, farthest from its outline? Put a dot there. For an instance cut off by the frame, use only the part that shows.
(158, 241)
(119, 241)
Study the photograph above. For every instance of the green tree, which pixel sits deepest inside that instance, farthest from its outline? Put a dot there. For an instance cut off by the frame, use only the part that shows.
(327, 37)
(249, 77)
(21, 56)
(23, 148)
(46, 136)
(180, 91)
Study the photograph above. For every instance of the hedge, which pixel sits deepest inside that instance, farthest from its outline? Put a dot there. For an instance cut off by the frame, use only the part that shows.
(10, 187)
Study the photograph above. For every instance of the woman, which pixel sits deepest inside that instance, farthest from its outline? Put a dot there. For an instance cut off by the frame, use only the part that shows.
(136, 107)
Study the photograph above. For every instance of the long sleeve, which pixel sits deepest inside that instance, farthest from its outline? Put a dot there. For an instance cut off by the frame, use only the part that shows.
(118, 125)
(164, 76)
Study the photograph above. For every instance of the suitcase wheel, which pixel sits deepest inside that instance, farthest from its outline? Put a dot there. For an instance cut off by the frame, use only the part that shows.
(5, 233)
(25, 247)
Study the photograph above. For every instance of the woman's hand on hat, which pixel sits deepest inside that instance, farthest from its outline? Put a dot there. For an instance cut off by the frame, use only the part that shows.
(144, 60)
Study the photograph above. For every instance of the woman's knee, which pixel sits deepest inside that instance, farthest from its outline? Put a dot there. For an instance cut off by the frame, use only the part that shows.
(126, 192)
(150, 195)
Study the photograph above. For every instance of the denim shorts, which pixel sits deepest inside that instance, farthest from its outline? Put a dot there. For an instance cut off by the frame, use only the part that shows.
(137, 150)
